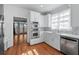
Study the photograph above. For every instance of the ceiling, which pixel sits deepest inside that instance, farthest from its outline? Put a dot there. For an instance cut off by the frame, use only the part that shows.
(42, 8)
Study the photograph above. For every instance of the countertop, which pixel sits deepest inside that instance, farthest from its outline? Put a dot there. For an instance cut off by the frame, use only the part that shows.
(70, 35)
(64, 34)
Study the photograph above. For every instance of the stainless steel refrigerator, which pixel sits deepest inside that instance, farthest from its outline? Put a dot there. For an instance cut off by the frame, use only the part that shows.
(1, 35)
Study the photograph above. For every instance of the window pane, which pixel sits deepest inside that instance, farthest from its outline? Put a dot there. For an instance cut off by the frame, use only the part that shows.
(64, 19)
(61, 19)
(54, 26)
(54, 20)
(64, 25)
(65, 13)
(54, 16)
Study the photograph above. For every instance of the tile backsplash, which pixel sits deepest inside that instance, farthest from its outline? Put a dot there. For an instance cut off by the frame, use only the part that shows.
(45, 28)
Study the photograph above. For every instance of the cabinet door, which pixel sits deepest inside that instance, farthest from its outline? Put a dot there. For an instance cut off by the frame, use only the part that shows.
(56, 42)
(41, 21)
(49, 39)
(53, 40)
(32, 16)
(42, 36)
(35, 16)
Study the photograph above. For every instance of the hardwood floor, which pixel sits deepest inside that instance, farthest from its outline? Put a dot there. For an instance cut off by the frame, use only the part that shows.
(21, 39)
(24, 48)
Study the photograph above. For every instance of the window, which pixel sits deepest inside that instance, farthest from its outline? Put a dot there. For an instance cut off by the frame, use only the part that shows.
(55, 21)
(61, 20)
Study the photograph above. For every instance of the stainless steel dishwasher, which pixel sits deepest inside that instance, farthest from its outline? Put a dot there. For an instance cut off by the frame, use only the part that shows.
(69, 45)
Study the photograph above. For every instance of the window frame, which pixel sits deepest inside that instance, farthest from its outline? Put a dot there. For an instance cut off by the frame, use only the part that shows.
(61, 21)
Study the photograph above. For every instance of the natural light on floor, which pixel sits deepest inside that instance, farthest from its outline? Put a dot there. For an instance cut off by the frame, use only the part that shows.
(31, 52)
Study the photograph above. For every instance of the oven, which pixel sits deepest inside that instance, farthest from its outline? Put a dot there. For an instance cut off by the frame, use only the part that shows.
(34, 30)
(35, 35)
(35, 25)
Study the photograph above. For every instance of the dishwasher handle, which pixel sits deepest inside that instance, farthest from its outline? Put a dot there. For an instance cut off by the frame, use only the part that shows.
(69, 38)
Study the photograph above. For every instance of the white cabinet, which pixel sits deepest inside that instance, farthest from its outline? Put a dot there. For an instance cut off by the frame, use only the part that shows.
(34, 16)
(42, 36)
(41, 21)
(53, 40)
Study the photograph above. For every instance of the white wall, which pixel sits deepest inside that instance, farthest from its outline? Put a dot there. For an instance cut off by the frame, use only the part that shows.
(46, 22)
(9, 12)
(75, 15)
(60, 9)
(41, 20)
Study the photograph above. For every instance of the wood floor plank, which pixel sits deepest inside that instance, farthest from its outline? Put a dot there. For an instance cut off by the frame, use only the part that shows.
(25, 49)
(39, 49)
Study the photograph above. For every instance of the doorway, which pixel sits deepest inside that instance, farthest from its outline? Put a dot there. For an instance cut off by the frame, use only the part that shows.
(20, 30)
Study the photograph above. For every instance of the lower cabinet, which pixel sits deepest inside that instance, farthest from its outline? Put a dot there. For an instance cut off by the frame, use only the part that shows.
(53, 40)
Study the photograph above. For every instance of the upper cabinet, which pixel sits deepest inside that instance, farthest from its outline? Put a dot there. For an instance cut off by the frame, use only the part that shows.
(37, 17)
(34, 16)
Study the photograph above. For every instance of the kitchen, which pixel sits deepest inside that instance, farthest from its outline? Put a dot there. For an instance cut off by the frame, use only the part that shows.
(51, 24)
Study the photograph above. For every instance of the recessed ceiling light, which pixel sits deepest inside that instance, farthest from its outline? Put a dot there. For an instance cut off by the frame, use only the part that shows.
(41, 6)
